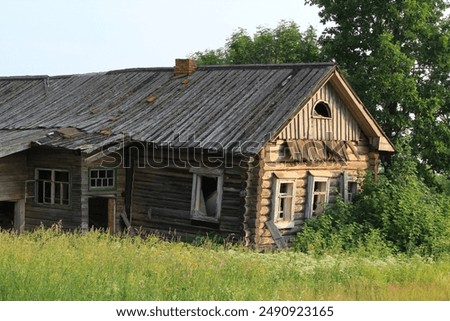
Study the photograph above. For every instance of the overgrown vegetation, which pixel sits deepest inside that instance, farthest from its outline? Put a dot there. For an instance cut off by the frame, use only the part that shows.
(52, 265)
(397, 214)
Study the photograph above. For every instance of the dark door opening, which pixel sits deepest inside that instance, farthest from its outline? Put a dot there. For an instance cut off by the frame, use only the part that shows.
(7, 215)
(101, 213)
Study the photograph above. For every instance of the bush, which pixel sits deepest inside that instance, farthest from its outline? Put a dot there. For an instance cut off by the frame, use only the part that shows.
(398, 213)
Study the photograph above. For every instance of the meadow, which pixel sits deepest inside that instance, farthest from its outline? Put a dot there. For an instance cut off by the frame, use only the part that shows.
(52, 265)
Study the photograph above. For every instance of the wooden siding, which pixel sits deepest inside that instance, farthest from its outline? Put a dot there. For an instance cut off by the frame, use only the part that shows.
(37, 214)
(13, 174)
(161, 198)
(341, 126)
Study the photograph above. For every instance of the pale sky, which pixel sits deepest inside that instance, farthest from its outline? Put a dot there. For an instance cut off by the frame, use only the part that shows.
(54, 37)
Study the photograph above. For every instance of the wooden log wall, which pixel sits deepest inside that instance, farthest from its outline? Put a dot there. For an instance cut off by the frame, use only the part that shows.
(161, 199)
(341, 125)
(37, 214)
(274, 162)
(253, 181)
(13, 174)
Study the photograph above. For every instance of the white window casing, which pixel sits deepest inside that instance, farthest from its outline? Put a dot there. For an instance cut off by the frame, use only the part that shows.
(283, 201)
(317, 195)
(348, 187)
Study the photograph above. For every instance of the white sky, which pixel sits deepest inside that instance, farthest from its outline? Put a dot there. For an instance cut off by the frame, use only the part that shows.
(52, 37)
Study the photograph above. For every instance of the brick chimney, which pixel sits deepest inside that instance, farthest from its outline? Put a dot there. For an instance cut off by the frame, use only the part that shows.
(184, 67)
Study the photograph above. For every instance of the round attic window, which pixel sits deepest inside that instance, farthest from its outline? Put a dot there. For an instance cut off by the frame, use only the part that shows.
(321, 109)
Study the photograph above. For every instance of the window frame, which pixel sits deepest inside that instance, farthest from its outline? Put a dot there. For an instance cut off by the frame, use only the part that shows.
(53, 183)
(346, 179)
(102, 188)
(288, 220)
(312, 180)
(318, 116)
(198, 174)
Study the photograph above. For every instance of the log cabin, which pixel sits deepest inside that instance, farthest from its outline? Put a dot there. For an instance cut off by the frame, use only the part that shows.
(248, 152)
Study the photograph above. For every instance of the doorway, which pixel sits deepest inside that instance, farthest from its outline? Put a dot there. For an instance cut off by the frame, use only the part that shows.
(7, 210)
(101, 213)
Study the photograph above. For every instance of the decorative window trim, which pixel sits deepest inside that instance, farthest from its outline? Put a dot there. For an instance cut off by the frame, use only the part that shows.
(198, 203)
(348, 187)
(97, 179)
(312, 180)
(287, 221)
(318, 115)
(54, 187)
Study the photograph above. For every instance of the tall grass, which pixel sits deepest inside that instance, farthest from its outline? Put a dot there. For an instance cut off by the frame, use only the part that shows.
(52, 265)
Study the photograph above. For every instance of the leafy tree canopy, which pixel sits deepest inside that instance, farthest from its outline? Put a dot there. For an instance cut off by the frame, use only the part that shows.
(283, 44)
(396, 54)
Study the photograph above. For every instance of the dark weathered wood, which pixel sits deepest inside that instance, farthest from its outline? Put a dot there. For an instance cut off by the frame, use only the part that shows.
(13, 174)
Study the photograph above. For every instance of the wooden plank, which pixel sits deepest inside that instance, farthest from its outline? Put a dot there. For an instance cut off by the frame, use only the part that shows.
(276, 235)
(127, 224)
(19, 216)
(111, 212)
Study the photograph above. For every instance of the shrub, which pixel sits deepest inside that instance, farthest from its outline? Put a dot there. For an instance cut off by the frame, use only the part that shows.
(398, 213)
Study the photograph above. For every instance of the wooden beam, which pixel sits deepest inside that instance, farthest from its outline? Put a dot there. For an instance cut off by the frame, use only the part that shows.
(127, 223)
(276, 235)
(111, 212)
(19, 216)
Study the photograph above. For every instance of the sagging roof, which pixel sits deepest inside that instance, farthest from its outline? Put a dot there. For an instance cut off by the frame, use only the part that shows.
(221, 106)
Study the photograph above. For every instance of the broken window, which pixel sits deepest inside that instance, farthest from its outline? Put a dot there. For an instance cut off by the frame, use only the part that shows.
(52, 187)
(283, 202)
(207, 186)
(352, 189)
(321, 109)
(349, 187)
(102, 179)
(318, 193)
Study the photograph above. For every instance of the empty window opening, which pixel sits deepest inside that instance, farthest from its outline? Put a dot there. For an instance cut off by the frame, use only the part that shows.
(52, 187)
(206, 197)
(322, 109)
(208, 186)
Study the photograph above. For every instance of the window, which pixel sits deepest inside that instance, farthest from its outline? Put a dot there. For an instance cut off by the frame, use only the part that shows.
(349, 187)
(352, 189)
(318, 193)
(321, 109)
(102, 179)
(207, 189)
(52, 187)
(284, 202)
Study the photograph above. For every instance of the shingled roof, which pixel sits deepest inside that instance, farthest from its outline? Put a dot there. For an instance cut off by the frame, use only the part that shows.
(226, 105)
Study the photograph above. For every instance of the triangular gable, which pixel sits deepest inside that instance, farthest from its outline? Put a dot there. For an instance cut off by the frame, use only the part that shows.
(348, 117)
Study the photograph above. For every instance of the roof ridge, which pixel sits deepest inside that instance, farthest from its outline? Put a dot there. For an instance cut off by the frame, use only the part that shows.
(269, 66)
(31, 77)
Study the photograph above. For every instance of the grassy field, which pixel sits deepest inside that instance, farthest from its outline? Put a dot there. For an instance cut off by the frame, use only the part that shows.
(49, 265)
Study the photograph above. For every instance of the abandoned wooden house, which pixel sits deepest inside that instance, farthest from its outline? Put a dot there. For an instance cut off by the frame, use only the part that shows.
(249, 151)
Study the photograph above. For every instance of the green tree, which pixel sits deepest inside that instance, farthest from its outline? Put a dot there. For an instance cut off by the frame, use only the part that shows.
(283, 44)
(396, 54)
